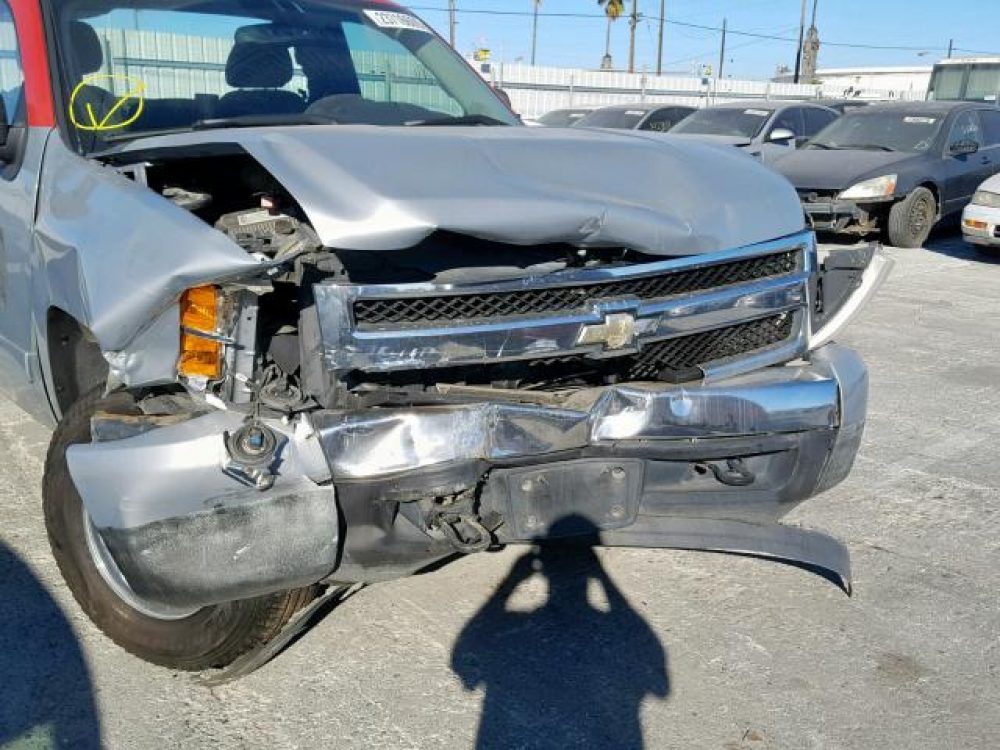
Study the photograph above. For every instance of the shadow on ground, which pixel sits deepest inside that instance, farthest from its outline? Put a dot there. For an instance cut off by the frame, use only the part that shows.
(568, 674)
(949, 241)
(46, 698)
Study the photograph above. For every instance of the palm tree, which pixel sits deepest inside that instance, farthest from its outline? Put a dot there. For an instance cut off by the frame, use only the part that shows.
(613, 8)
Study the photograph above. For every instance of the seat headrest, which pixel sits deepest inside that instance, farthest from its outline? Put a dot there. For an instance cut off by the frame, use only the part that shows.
(255, 65)
(86, 48)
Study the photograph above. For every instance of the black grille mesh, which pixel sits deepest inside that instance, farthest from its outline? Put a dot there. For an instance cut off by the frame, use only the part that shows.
(453, 308)
(687, 352)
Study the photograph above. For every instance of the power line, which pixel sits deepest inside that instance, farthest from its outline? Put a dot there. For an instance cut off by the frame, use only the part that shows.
(707, 27)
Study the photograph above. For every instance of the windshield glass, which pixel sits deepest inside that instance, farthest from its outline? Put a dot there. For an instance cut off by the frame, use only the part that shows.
(562, 118)
(882, 131)
(984, 83)
(142, 66)
(619, 119)
(741, 123)
(946, 82)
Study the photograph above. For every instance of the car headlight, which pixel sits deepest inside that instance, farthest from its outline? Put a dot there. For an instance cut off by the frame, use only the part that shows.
(877, 187)
(986, 198)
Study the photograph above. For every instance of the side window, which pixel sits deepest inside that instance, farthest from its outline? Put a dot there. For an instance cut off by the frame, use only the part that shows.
(816, 120)
(991, 127)
(966, 128)
(11, 75)
(789, 119)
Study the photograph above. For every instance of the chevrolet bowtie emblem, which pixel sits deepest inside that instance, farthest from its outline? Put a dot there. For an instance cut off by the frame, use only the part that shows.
(618, 331)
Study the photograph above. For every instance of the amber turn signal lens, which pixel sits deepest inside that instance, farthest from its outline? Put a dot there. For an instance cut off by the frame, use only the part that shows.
(200, 309)
(200, 356)
(976, 224)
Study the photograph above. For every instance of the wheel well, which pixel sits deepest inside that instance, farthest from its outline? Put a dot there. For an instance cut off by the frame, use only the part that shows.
(75, 361)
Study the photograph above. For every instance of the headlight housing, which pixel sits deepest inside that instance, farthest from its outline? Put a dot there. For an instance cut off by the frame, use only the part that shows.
(986, 198)
(877, 187)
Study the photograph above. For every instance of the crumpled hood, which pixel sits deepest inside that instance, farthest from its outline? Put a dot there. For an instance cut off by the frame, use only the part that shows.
(378, 188)
(819, 169)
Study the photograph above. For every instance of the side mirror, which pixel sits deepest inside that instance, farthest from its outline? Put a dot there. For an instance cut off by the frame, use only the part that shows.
(782, 136)
(961, 148)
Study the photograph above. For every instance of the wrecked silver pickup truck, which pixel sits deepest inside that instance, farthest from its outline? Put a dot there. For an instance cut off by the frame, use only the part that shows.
(340, 318)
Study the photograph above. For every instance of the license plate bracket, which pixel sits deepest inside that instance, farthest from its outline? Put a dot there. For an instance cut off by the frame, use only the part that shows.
(579, 496)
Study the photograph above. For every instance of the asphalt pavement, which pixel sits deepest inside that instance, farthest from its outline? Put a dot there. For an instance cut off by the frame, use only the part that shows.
(622, 648)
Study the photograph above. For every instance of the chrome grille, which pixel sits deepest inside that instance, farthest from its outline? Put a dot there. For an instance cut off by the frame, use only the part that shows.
(699, 349)
(372, 313)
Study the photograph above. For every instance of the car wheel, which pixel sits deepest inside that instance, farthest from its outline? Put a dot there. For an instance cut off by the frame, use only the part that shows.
(911, 220)
(192, 639)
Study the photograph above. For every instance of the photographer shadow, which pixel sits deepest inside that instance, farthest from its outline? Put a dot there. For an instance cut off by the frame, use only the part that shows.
(46, 696)
(568, 674)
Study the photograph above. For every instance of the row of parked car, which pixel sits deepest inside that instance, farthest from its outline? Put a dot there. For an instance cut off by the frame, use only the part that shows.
(859, 168)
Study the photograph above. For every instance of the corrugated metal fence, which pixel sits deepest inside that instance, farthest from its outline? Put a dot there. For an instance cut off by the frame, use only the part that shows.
(536, 90)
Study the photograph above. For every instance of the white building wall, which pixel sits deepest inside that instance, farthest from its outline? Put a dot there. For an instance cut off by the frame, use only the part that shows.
(899, 83)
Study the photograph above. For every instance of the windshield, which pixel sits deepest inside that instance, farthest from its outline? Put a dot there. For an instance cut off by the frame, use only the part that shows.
(562, 118)
(742, 123)
(619, 119)
(882, 131)
(974, 82)
(138, 67)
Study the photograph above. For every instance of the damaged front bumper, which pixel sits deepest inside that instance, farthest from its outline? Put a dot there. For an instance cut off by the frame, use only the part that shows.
(707, 466)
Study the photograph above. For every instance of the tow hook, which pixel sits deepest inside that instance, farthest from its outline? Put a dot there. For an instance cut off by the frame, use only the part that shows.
(735, 474)
(457, 519)
(252, 450)
(465, 533)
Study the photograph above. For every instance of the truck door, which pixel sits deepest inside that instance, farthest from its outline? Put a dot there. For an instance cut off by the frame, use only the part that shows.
(20, 160)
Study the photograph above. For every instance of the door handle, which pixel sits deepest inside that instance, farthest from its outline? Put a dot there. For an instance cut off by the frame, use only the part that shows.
(986, 160)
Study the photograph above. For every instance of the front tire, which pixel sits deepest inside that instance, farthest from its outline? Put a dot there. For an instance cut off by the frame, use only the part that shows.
(210, 637)
(912, 219)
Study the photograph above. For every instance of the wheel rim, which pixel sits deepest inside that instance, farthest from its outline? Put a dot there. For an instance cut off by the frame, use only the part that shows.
(920, 217)
(112, 576)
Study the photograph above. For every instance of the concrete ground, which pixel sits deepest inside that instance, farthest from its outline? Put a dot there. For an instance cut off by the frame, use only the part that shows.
(685, 650)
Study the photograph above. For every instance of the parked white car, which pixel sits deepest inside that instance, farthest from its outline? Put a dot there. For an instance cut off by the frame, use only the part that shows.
(981, 219)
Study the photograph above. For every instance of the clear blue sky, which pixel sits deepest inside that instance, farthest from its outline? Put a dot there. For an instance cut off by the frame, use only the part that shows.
(579, 42)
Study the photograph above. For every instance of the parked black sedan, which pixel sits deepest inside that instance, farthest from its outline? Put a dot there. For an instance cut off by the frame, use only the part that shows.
(895, 168)
(659, 117)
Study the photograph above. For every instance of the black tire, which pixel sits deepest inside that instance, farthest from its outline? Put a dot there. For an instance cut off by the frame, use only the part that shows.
(912, 219)
(211, 637)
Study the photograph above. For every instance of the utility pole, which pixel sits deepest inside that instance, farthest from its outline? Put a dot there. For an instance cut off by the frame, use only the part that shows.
(534, 33)
(802, 38)
(633, 23)
(659, 47)
(951, 47)
(451, 23)
(722, 51)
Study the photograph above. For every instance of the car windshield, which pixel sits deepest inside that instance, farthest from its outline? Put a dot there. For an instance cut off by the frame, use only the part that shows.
(881, 131)
(731, 121)
(139, 67)
(619, 119)
(562, 118)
